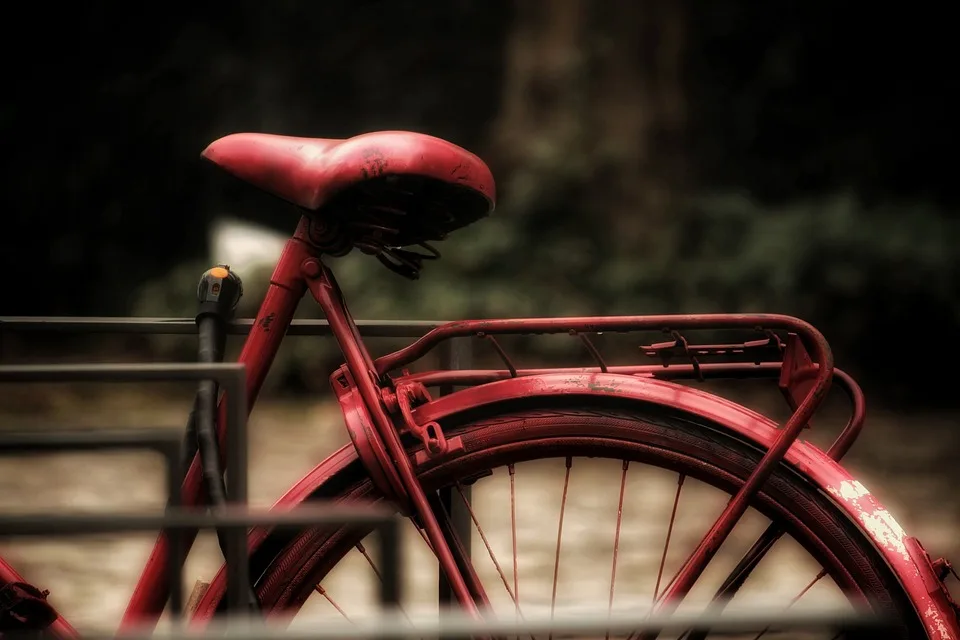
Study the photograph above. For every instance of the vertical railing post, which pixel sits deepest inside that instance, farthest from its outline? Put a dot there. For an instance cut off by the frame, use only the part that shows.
(392, 583)
(238, 567)
(175, 552)
(455, 354)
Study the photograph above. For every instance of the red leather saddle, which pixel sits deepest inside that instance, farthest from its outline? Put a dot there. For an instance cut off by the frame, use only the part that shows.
(397, 187)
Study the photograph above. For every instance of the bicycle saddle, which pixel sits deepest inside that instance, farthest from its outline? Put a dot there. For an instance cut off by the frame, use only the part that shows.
(420, 170)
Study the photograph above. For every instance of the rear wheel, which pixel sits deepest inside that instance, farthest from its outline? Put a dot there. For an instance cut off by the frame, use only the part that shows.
(686, 453)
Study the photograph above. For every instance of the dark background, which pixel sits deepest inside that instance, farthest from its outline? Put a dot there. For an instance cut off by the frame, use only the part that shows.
(652, 157)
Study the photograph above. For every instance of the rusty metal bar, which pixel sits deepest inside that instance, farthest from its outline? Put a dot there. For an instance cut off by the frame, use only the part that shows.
(237, 456)
(592, 624)
(228, 374)
(162, 440)
(183, 326)
(455, 354)
(233, 518)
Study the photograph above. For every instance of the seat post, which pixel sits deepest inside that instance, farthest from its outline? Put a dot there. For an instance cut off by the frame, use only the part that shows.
(325, 289)
(323, 285)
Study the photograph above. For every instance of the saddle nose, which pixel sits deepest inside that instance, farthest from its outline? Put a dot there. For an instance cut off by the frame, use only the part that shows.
(288, 167)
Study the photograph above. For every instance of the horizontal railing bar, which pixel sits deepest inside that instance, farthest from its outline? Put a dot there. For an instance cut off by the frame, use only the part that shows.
(167, 442)
(227, 372)
(42, 524)
(173, 326)
(395, 626)
(60, 441)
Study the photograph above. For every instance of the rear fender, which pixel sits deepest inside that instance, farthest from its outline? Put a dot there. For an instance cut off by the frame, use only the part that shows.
(901, 552)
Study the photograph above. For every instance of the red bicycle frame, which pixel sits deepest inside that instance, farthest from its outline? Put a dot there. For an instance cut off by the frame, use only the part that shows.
(300, 269)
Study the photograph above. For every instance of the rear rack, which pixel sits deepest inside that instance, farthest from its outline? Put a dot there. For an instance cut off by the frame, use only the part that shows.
(786, 349)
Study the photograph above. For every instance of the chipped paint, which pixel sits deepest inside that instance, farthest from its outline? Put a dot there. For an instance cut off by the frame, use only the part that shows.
(936, 621)
(593, 386)
(875, 519)
(886, 531)
(852, 490)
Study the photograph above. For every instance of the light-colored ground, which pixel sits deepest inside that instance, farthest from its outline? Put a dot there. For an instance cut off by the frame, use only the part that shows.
(906, 460)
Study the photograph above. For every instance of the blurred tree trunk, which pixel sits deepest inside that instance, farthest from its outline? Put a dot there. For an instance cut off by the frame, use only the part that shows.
(593, 94)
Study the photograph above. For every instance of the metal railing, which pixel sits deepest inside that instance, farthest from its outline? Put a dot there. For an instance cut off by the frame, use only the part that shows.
(168, 442)
(396, 625)
(231, 378)
(236, 518)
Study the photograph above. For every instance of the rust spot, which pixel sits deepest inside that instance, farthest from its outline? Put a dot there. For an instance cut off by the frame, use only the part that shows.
(936, 620)
(594, 386)
(461, 172)
(373, 164)
(267, 321)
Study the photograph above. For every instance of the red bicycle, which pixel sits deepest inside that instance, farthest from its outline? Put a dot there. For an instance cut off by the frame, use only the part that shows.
(389, 194)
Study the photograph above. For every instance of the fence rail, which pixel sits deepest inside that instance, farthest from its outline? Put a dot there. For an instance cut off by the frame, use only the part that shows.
(231, 377)
(181, 326)
(394, 625)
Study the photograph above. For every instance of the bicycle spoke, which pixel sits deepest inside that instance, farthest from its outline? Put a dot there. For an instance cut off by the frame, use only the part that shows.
(513, 534)
(556, 561)
(373, 566)
(820, 576)
(323, 592)
(493, 557)
(666, 544)
(486, 543)
(741, 572)
(666, 548)
(461, 556)
(616, 541)
(366, 555)
(423, 536)
(749, 561)
(795, 598)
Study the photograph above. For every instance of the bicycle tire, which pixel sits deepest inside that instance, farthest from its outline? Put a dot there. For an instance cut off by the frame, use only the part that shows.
(288, 565)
